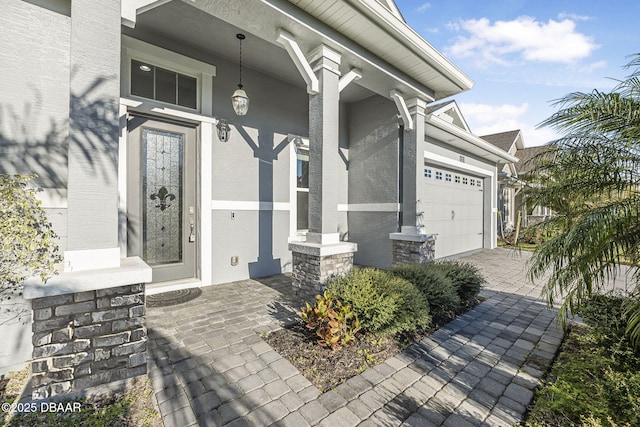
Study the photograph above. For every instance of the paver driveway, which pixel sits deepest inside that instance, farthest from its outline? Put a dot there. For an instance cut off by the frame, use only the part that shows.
(209, 366)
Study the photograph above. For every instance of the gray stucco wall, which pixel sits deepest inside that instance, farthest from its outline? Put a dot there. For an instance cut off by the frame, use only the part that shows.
(253, 166)
(34, 107)
(373, 163)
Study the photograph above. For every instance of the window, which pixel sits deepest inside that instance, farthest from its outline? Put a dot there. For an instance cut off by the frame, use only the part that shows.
(438, 175)
(479, 183)
(302, 188)
(427, 173)
(457, 178)
(447, 177)
(465, 181)
(149, 81)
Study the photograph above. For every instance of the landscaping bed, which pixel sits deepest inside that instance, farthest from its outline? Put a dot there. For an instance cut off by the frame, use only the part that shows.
(371, 315)
(595, 379)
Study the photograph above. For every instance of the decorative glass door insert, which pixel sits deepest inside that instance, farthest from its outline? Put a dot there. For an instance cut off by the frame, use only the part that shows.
(162, 160)
(161, 197)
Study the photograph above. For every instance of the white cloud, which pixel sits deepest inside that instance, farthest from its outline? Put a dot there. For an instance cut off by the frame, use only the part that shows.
(589, 68)
(574, 17)
(485, 113)
(424, 7)
(502, 41)
(485, 119)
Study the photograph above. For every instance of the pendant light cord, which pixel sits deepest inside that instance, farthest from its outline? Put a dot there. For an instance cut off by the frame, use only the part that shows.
(240, 84)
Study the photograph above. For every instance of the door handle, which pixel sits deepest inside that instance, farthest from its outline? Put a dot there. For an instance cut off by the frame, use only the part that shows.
(192, 235)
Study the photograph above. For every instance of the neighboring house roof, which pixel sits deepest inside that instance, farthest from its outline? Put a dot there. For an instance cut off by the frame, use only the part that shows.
(526, 155)
(448, 125)
(503, 140)
(450, 112)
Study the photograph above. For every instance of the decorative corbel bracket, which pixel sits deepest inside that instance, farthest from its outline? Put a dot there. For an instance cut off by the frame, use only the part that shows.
(288, 41)
(353, 74)
(402, 109)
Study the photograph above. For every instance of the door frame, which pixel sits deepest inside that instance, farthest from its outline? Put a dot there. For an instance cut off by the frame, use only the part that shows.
(188, 267)
(204, 153)
(205, 72)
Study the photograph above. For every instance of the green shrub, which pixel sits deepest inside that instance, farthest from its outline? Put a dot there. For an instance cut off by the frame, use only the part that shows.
(336, 324)
(466, 278)
(384, 303)
(27, 240)
(432, 282)
(595, 380)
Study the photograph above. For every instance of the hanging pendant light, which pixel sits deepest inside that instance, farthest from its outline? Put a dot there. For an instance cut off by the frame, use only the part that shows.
(240, 100)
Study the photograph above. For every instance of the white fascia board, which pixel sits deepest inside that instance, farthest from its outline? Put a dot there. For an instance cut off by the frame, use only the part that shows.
(447, 162)
(413, 41)
(129, 9)
(288, 41)
(351, 75)
(402, 109)
(470, 138)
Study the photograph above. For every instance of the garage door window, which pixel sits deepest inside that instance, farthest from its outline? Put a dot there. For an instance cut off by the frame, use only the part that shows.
(427, 173)
(438, 175)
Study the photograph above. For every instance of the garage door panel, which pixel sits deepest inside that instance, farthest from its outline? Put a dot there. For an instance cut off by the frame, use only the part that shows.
(461, 231)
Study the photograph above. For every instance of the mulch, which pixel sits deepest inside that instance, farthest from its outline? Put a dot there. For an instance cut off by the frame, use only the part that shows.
(327, 368)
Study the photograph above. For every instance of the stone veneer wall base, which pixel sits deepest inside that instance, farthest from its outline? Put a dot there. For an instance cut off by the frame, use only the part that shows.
(409, 252)
(89, 339)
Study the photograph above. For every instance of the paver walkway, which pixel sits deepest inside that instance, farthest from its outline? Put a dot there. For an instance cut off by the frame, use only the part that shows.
(209, 365)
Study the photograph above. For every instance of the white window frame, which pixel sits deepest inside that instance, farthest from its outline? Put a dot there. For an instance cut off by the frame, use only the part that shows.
(297, 143)
(172, 61)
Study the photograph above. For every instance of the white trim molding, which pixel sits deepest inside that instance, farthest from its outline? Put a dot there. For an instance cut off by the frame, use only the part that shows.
(91, 259)
(249, 205)
(445, 161)
(129, 9)
(369, 207)
(203, 72)
(128, 271)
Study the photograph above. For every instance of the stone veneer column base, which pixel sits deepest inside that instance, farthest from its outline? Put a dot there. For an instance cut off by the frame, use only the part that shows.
(89, 330)
(315, 264)
(413, 248)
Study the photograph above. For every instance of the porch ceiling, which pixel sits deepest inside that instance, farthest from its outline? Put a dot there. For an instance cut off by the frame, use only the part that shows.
(177, 24)
(388, 52)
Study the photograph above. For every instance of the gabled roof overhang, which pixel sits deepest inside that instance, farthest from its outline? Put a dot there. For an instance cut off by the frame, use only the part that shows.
(452, 135)
(385, 34)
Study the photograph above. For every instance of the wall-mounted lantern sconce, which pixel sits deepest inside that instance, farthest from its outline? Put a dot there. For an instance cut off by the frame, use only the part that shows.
(223, 129)
(239, 99)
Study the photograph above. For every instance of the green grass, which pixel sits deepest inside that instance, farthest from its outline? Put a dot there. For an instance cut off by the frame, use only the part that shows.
(133, 408)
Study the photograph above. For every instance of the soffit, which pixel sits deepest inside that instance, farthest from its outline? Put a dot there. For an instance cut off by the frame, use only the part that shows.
(385, 34)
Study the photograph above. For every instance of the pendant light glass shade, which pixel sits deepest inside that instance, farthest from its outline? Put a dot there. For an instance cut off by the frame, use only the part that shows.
(239, 99)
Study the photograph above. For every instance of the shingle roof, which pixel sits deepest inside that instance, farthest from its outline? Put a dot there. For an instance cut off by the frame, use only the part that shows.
(502, 140)
(433, 107)
(525, 155)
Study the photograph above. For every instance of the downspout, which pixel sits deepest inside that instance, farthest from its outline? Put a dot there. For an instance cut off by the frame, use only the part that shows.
(400, 180)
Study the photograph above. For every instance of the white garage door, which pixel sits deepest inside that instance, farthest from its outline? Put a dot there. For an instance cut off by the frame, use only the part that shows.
(453, 209)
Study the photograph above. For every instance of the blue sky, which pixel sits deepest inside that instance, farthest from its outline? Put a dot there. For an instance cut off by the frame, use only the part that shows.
(522, 55)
